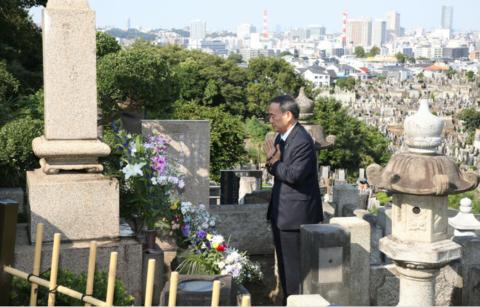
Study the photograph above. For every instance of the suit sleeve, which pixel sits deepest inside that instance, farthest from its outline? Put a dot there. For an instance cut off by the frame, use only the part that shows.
(301, 165)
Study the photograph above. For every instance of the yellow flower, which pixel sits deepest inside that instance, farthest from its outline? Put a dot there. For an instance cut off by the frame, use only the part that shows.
(209, 236)
(215, 245)
(174, 206)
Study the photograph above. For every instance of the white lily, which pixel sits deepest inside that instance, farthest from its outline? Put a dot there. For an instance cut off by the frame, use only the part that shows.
(132, 170)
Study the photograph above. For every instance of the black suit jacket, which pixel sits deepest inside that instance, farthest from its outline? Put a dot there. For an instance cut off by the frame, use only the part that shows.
(296, 196)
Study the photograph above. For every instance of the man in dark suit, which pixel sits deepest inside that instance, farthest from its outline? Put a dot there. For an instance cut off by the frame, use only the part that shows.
(296, 199)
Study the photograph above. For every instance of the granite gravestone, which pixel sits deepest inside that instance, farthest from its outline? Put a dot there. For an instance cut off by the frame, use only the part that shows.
(190, 146)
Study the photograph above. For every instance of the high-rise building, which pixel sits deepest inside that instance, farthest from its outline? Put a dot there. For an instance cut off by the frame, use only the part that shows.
(198, 29)
(393, 24)
(244, 31)
(315, 32)
(359, 32)
(447, 17)
(379, 32)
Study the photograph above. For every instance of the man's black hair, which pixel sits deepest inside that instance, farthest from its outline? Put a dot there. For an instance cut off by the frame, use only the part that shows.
(287, 103)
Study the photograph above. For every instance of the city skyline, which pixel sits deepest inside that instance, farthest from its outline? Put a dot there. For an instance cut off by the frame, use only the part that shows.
(155, 14)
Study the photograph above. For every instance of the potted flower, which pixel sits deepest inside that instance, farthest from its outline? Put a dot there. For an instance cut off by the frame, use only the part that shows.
(150, 182)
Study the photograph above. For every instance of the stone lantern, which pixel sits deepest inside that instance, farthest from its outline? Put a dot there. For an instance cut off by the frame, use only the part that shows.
(306, 115)
(420, 180)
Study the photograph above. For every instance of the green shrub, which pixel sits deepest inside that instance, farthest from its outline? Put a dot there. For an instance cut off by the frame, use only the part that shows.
(383, 198)
(16, 154)
(20, 294)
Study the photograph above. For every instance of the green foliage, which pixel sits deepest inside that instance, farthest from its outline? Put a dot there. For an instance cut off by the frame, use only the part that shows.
(400, 57)
(346, 83)
(374, 51)
(470, 76)
(357, 145)
(106, 44)
(227, 134)
(20, 43)
(20, 294)
(16, 155)
(383, 198)
(471, 118)
(454, 200)
(256, 131)
(134, 78)
(8, 84)
(269, 77)
(235, 57)
(451, 72)
(359, 52)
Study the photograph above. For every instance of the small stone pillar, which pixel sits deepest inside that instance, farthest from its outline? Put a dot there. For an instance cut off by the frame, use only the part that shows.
(325, 262)
(420, 180)
(465, 223)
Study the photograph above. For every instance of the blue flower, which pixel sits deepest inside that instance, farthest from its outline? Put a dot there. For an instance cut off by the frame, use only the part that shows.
(186, 230)
(201, 234)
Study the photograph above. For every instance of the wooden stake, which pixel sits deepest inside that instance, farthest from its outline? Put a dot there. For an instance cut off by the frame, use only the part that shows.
(172, 294)
(246, 301)
(150, 282)
(54, 269)
(92, 257)
(216, 293)
(112, 272)
(37, 260)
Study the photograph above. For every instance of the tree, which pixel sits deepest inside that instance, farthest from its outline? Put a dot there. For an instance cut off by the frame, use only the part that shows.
(346, 83)
(470, 76)
(400, 57)
(450, 72)
(471, 118)
(357, 145)
(235, 57)
(374, 51)
(359, 52)
(135, 78)
(106, 44)
(227, 134)
(21, 43)
(269, 77)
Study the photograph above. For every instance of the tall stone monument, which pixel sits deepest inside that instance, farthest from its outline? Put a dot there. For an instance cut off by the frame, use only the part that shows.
(68, 193)
(420, 180)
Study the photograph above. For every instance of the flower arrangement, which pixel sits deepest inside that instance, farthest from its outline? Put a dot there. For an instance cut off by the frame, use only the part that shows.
(207, 251)
(149, 177)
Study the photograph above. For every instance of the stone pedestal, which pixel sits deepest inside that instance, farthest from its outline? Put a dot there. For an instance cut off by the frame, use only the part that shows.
(359, 258)
(325, 262)
(79, 206)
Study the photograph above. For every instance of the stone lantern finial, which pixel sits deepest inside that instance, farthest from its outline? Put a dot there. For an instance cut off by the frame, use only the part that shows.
(306, 106)
(464, 222)
(423, 130)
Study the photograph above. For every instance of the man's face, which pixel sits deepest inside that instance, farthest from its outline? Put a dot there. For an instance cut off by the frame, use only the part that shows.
(280, 121)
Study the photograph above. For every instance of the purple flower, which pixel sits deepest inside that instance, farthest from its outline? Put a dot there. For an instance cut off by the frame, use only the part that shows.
(159, 163)
(186, 230)
(201, 234)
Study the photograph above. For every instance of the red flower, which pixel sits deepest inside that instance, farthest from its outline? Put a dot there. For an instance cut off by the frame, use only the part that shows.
(221, 248)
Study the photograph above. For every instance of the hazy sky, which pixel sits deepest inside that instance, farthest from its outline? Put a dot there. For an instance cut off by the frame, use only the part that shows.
(224, 14)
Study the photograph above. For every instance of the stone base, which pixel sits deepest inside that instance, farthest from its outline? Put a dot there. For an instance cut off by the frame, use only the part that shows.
(314, 300)
(74, 257)
(79, 206)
